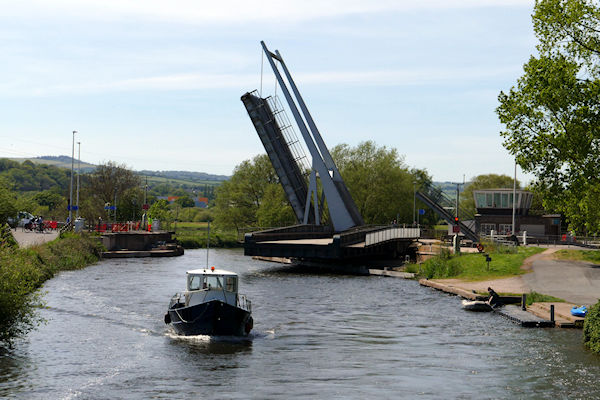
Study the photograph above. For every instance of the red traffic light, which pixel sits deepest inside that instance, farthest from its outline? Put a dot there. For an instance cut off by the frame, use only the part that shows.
(456, 219)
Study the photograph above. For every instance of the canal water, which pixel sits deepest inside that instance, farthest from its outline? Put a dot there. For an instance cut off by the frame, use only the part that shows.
(317, 336)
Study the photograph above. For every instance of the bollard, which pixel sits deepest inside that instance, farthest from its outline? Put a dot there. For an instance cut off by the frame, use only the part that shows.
(524, 302)
(552, 312)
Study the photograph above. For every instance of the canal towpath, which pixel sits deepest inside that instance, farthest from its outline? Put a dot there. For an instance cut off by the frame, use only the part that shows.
(574, 281)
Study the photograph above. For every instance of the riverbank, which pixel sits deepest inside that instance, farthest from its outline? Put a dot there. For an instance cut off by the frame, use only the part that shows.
(566, 278)
(24, 270)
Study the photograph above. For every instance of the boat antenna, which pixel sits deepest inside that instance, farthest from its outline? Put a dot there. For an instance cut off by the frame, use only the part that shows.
(207, 243)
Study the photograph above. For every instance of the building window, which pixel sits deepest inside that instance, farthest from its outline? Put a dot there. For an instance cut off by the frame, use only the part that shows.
(505, 229)
(504, 200)
(487, 229)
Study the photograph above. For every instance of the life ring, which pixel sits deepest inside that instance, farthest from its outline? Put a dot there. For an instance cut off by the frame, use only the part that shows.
(480, 247)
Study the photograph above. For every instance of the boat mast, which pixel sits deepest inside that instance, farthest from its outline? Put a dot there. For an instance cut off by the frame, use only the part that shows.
(207, 243)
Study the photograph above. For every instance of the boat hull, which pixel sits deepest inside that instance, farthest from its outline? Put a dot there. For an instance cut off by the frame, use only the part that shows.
(476, 305)
(211, 318)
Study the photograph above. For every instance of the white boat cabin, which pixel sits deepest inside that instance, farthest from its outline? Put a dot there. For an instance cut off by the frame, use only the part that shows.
(211, 284)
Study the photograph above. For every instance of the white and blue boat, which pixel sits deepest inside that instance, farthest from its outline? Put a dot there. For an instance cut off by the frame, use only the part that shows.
(579, 311)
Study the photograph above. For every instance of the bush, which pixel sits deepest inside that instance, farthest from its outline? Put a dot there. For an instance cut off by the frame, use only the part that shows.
(442, 266)
(591, 328)
(22, 271)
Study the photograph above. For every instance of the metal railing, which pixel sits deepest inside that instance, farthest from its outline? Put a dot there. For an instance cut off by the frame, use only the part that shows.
(244, 303)
(391, 234)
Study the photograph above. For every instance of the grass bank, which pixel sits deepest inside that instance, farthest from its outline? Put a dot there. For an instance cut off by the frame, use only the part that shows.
(505, 262)
(22, 271)
(592, 256)
(192, 235)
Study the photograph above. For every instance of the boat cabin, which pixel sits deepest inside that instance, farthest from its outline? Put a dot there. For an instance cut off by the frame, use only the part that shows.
(211, 284)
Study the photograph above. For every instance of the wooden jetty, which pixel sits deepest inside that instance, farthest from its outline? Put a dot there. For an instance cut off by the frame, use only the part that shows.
(562, 314)
(523, 318)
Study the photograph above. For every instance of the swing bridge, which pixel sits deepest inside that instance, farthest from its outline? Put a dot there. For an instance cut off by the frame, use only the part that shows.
(340, 235)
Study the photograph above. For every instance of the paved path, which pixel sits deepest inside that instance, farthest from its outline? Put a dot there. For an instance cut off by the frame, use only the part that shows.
(28, 238)
(574, 281)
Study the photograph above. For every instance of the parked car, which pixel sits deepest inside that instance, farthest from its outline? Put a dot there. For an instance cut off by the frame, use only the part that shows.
(22, 218)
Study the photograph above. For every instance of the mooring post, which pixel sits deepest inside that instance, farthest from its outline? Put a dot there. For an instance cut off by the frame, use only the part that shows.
(552, 312)
(524, 302)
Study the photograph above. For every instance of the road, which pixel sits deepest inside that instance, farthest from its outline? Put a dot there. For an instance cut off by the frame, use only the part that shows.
(28, 238)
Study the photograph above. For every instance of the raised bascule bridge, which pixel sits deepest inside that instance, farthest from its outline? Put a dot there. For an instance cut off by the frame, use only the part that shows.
(309, 183)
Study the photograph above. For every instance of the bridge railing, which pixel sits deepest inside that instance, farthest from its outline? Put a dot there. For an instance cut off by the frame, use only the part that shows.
(391, 234)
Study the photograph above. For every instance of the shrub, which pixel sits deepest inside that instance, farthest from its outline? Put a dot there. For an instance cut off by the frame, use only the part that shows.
(22, 271)
(591, 328)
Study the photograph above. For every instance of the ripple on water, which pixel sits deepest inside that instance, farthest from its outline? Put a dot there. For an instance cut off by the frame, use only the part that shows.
(316, 335)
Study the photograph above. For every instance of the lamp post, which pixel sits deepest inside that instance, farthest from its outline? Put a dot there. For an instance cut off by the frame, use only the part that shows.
(78, 173)
(514, 199)
(71, 190)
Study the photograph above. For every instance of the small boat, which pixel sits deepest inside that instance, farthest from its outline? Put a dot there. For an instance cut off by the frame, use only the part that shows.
(579, 311)
(210, 305)
(476, 305)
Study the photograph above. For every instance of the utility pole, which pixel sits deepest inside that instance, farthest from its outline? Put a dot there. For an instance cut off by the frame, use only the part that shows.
(414, 202)
(514, 198)
(71, 190)
(78, 173)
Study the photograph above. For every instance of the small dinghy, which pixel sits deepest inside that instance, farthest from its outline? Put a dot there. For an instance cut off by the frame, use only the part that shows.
(580, 311)
(476, 305)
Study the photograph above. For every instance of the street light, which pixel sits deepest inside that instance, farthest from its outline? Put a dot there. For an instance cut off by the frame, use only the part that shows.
(71, 191)
(78, 173)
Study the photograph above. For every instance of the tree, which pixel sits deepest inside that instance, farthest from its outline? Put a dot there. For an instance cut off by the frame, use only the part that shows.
(185, 201)
(379, 182)
(160, 210)
(552, 116)
(108, 181)
(7, 203)
(239, 199)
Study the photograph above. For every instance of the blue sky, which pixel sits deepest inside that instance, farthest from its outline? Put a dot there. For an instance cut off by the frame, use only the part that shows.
(157, 85)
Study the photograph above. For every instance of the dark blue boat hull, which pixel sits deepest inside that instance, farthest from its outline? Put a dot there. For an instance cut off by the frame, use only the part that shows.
(213, 318)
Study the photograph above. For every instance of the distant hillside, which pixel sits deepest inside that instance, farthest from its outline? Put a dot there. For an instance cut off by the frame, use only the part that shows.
(198, 177)
(58, 161)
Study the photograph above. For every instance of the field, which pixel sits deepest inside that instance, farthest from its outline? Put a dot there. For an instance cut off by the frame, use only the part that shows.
(192, 235)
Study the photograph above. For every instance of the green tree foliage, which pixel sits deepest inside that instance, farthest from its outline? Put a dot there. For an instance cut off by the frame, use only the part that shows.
(380, 183)
(239, 199)
(552, 115)
(185, 201)
(487, 181)
(160, 210)
(31, 177)
(7, 204)
(274, 208)
(108, 181)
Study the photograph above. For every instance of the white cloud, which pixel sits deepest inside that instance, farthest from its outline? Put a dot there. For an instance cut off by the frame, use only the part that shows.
(234, 10)
(198, 81)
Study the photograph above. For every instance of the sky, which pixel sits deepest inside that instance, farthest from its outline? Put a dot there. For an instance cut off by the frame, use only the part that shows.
(157, 84)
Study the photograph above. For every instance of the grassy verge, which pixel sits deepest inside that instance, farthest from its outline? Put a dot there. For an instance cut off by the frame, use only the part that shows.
(579, 255)
(506, 262)
(192, 235)
(591, 328)
(22, 271)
